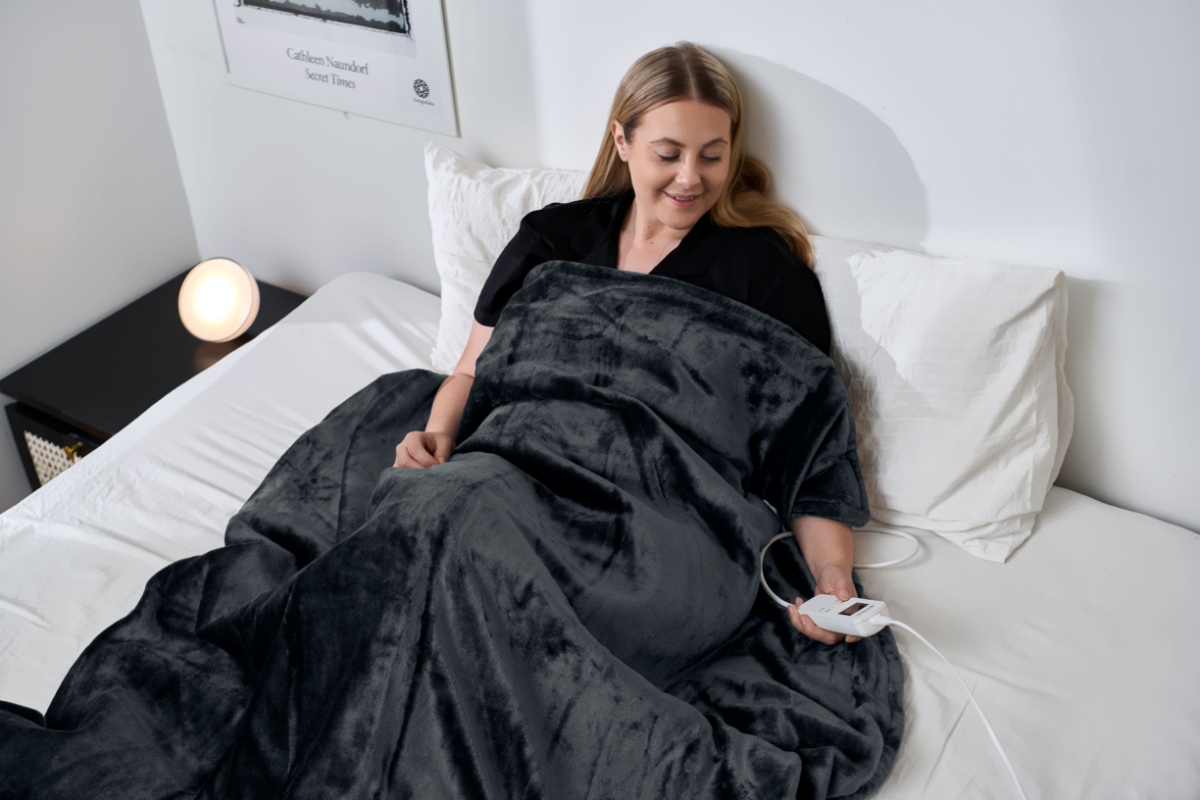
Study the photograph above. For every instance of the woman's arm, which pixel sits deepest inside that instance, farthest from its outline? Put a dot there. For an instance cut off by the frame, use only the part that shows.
(432, 446)
(828, 549)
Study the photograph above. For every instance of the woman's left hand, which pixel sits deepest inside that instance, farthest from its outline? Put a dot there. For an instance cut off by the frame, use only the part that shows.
(828, 548)
(836, 582)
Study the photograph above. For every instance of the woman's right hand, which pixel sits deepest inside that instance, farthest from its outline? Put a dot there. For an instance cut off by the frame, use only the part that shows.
(423, 449)
(428, 448)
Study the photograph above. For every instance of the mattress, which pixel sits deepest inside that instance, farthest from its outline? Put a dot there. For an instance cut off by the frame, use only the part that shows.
(1081, 648)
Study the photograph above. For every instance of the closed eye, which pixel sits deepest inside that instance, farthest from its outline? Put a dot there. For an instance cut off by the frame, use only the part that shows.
(706, 159)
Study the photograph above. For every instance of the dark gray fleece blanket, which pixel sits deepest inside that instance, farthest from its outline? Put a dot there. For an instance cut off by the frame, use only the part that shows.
(568, 608)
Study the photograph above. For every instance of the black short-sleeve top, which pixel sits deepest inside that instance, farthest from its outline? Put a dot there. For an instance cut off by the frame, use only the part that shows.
(751, 265)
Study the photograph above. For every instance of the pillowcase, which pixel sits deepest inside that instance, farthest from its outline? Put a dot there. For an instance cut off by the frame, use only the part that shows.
(955, 373)
(475, 210)
(954, 367)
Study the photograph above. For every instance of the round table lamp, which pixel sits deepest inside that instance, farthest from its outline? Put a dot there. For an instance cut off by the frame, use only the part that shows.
(218, 300)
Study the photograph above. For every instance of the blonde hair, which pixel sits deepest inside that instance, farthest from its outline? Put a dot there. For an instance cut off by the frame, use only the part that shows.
(687, 71)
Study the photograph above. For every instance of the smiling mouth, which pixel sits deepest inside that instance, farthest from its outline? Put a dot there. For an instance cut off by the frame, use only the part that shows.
(683, 199)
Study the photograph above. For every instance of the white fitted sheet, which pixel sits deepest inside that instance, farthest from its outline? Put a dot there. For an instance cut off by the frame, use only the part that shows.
(76, 554)
(1081, 648)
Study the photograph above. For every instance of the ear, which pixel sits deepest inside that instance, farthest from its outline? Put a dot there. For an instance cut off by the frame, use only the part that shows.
(618, 134)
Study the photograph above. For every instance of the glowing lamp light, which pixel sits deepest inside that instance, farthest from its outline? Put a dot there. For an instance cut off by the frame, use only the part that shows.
(218, 300)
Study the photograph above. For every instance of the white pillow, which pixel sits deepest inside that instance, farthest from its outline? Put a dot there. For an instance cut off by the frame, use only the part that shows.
(955, 372)
(955, 368)
(474, 211)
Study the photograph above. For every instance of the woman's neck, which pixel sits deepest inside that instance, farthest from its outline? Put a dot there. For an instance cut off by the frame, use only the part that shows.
(645, 241)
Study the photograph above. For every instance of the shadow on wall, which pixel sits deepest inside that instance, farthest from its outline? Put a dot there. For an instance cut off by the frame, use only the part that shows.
(834, 162)
(1087, 456)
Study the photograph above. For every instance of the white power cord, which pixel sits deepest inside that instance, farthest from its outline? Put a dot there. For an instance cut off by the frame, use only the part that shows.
(974, 702)
(885, 620)
(762, 578)
(916, 546)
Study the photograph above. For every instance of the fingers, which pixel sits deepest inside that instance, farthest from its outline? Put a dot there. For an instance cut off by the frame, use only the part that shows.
(411, 453)
(442, 446)
(837, 584)
(843, 589)
(417, 452)
(423, 449)
(818, 634)
(804, 624)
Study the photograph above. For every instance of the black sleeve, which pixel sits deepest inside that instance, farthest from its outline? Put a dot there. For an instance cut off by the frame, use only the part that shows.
(809, 455)
(524, 252)
(796, 300)
(833, 486)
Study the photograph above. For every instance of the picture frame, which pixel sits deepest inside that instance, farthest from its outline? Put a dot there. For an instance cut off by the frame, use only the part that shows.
(383, 59)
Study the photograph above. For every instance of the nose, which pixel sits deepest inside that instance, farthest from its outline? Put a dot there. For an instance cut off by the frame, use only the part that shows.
(688, 176)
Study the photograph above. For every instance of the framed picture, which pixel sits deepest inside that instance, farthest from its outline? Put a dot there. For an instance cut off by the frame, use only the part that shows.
(385, 59)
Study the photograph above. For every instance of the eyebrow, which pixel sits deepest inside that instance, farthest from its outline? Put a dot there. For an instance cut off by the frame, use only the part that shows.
(665, 140)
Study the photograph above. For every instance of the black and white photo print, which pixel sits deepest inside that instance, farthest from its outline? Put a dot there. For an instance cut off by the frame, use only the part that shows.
(384, 15)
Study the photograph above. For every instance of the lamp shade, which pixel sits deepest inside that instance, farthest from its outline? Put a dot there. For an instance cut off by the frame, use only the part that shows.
(218, 300)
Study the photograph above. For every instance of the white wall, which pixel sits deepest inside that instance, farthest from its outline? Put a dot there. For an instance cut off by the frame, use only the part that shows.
(300, 193)
(92, 209)
(1051, 132)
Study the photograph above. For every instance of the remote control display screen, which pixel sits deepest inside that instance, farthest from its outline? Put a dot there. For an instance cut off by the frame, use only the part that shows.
(850, 611)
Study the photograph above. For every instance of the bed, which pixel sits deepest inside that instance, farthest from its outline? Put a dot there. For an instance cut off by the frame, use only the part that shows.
(1080, 646)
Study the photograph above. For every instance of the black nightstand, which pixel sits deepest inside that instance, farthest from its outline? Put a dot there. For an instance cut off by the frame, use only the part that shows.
(82, 392)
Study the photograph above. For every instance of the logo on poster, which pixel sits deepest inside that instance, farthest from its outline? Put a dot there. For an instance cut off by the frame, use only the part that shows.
(421, 90)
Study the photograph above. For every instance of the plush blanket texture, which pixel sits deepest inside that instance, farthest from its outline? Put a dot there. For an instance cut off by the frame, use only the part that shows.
(568, 608)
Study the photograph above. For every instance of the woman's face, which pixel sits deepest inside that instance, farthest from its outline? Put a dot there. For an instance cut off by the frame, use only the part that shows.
(679, 161)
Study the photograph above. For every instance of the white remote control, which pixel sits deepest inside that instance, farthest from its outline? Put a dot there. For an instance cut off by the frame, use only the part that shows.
(854, 616)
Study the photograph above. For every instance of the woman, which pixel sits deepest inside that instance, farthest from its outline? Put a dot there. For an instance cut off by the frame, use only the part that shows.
(671, 193)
